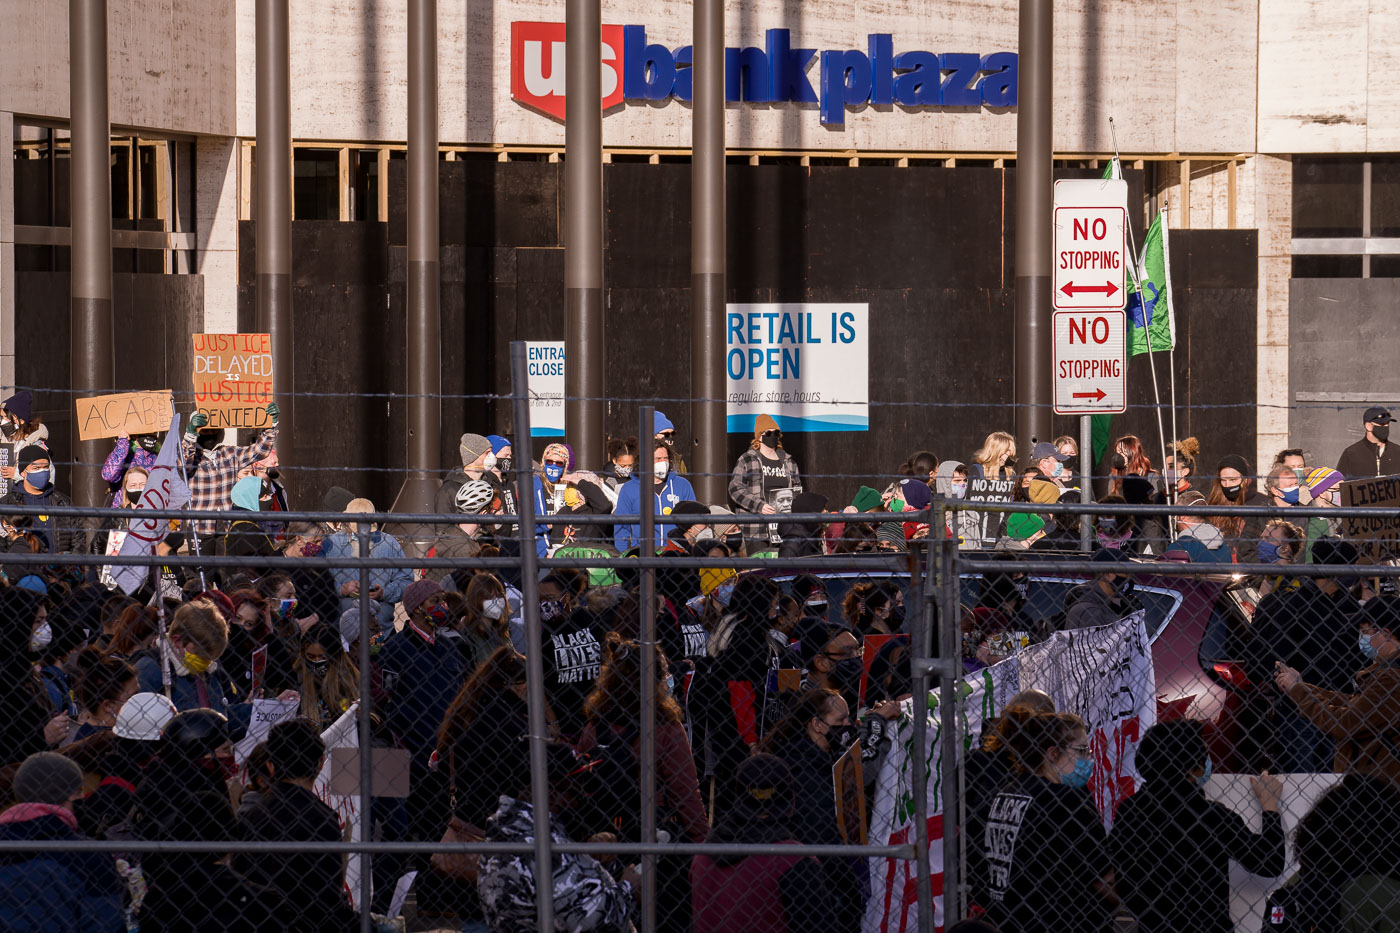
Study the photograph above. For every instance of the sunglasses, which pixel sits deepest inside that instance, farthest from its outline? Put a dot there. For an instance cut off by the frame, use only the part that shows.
(555, 463)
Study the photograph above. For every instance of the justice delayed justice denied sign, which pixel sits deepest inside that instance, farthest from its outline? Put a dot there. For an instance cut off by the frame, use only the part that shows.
(1089, 362)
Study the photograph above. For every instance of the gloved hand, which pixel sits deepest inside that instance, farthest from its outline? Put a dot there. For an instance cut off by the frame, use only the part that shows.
(197, 420)
(273, 412)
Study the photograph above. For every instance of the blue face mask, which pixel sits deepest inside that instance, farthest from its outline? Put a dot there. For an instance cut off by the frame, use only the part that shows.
(1268, 552)
(1291, 496)
(37, 478)
(553, 471)
(1201, 781)
(1368, 649)
(1059, 468)
(1079, 777)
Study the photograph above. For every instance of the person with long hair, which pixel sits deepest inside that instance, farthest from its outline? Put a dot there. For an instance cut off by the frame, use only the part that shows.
(330, 682)
(134, 633)
(1048, 869)
(1234, 484)
(27, 720)
(996, 458)
(867, 609)
(102, 685)
(485, 625)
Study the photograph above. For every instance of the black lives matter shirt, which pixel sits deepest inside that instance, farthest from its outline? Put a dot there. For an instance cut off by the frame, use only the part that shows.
(1044, 847)
(573, 648)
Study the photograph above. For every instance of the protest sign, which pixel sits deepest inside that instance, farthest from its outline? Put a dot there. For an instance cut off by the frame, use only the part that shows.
(990, 490)
(7, 457)
(126, 413)
(1103, 674)
(1377, 536)
(233, 379)
(165, 489)
(344, 733)
(265, 715)
(848, 780)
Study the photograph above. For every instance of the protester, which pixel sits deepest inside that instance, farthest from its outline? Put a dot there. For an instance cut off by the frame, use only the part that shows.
(100, 689)
(137, 742)
(54, 891)
(197, 638)
(1361, 724)
(573, 637)
(1171, 847)
(1285, 489)
(765, 476)
(330, 682)
(665, 433)
(1373, 454)
(1107, 598)
(387, 584)
(1281, 544)
(246, 537)
(475, 450)
(20, 426)
(1197, 541)
(1234, 486)
(36, 489)
(1325, 487)
(29, 722)
(622, 460)
(461, 541)
(1179, 470)
(759, 893)
(668, 490)
(995, 459)
(211, 470)
(1048, 864)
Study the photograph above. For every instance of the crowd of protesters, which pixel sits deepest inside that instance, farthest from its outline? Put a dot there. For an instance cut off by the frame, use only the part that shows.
(120, 709)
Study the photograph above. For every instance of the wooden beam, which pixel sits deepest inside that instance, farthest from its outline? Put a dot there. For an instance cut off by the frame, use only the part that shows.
(245, 181)
(343, 177)
(382, 185)
(1183, 199)
(1232, 192)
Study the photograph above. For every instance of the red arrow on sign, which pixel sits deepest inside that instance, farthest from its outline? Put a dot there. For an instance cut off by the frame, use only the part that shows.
(1097, 395)
(1108, 289)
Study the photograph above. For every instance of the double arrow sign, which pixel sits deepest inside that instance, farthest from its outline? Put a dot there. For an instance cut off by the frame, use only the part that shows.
(1108, 290)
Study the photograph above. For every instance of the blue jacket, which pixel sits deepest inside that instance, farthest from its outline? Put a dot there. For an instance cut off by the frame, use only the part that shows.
(543, 506)
(224, 697)
(55, 892)
(629, 497)
(420, 679)
(392, 581)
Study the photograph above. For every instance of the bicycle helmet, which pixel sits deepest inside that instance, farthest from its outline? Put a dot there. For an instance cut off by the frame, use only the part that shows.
(195, 733)
(473, 496)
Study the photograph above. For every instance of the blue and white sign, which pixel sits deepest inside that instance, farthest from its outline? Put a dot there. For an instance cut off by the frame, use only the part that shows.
(807, 365)
(545, 381)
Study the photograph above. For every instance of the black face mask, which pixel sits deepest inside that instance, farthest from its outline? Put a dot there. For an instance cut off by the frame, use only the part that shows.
(208, 440)
(273, 473)
(148, 444)
(771, 439)
(134, 495)
(846, 674)
(9, 428)
(1119, 462)
(734, 542)
(896, 618)
(503, 464)
(1381, 432)
(1231, 492)
(840, 738)
(318, 668)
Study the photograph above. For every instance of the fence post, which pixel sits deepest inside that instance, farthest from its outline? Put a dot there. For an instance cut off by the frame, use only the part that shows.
(366, 735)
(534, 638)
(647, 607)
(950, 653)
(918, 667)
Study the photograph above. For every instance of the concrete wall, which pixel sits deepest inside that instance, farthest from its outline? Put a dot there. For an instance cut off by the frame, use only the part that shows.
(170, 62)
(1341, 360)
(1177, 74)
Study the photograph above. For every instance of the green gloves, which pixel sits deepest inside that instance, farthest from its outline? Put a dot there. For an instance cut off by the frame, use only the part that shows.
(197, 420)
(273, 412)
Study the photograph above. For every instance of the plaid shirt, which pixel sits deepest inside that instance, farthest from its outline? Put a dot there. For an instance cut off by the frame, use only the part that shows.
(213, 474)
(746, 485)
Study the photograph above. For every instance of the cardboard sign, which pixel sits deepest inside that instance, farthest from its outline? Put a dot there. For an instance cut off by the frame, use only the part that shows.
(990, 490)
(847, 777)
(233, 379)
(1377, 536)
(126, 413)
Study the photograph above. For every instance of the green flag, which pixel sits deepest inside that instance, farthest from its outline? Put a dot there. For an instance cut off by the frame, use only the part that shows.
(1149, 295)
(1113, 170)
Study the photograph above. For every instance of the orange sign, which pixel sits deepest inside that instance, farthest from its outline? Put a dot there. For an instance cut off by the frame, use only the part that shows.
(233, 379)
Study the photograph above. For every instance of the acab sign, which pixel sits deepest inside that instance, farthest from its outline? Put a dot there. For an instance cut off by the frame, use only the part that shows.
(633, 69)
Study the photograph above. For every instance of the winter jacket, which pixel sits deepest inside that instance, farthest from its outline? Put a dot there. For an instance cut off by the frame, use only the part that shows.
(1364, 460)
(965, 524)
(629, 502)
(1365, 724)
(1308, 630)
(746, 485)
(420, 678)
(586, 896)
(122, 458)
(59, 536)
(212, 474)
(677, 788)
(382, 545)
(1088, 606)
(1200, 544)
(211, 690)
(55, 892)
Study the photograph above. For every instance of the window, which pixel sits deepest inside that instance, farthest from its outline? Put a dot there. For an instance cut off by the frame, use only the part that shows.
(316, 184)
(1346, 217)
(1327, 198)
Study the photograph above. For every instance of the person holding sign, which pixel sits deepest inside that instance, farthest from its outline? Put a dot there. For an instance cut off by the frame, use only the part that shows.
(212, 471)
(129, 452)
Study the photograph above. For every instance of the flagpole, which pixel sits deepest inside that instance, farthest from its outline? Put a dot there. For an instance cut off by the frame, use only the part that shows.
(1137, 284)
(1171, 327)
(194, 538)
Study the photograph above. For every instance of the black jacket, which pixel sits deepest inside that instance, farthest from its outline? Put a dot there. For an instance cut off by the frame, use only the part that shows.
(1171, 849)
(68, 536)
(1308, 630)
(1363, 460)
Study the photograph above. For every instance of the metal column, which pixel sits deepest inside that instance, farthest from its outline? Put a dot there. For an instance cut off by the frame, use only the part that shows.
(707, 244)
(424, 370)
(1034, 186)
(91, 358)
(584, 406)
(646, 598)
(273, 207)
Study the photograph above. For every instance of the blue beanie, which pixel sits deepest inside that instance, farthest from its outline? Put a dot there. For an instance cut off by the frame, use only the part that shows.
(661, 423)
(498, 443)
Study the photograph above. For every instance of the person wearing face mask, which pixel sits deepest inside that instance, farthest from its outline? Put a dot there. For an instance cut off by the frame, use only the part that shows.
(1044, 846)
(1325, 487)
(1281, 544)
(1171, 847)
(1285, 490)
(622, 462)
(36, 488)
(330, 682)
(665, 433)
(1046, 458)
(668, 490)
(573, 640)
(801, 539)
(763, 470)
(831, 654)
(111, 533)
(1107, 598)
(20, 426)
(1179, 471)
(29, 723)
(1373, 455)
(475, 450)
(950, 482)
(1234, 485)
(817, 732)
(1199, 541)
(127, 452)
(485, 620)
(1361, 717)
(387, 584)
(196, 639)
(212, 470)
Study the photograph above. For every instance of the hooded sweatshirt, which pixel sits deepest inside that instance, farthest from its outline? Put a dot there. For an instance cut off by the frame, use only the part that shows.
(664, 498)
(964, 524)
(1200, 544)
(55, 892)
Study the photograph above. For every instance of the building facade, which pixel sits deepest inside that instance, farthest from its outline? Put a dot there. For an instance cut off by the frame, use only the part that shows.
(872, 154)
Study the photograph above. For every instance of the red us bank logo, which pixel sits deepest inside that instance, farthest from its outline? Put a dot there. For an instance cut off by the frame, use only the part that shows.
(537, 66)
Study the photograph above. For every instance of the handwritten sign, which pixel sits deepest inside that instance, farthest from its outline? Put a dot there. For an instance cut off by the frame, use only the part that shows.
(1377, 536)
(126, 413)
(233, 379)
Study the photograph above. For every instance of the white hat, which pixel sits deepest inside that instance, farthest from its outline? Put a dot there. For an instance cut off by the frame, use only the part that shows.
(143, 717)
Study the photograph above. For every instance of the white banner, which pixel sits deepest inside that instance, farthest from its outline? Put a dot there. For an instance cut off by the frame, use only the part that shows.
(165, 489)
(265, 715)
(807, 365)
(344, 733)
(1105, 675)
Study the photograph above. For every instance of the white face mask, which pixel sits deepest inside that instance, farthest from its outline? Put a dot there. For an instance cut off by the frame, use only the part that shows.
(42, 637)
(662, 468)
(705, 534)
(488, 462)
(493, 608)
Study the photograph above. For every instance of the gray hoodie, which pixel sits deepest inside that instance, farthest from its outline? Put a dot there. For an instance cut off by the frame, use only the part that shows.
(965, 524)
